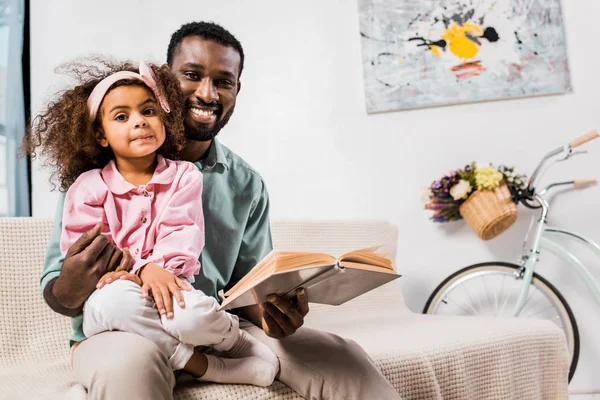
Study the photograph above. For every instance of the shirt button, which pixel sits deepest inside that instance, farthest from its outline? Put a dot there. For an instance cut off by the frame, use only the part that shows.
(137, 251)
(145, 193)
(144, 220)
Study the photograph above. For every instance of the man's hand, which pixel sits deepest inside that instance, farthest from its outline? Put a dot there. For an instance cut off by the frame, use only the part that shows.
(161, 284)
(88, 259)
(278, 317)
(281, 317)
(118, 276)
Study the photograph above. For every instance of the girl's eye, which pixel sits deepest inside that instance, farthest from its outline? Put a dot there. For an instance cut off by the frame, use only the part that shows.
(121, 117)
(149, 111)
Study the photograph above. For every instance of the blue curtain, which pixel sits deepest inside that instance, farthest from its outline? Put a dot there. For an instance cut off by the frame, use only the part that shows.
(17, 179)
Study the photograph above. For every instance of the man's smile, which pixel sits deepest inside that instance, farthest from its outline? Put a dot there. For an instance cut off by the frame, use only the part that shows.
(203, 114)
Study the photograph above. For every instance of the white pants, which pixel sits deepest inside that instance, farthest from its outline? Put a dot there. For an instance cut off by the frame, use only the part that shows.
(119, 306)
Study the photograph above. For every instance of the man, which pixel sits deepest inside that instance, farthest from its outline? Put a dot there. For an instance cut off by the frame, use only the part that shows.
(208, 61)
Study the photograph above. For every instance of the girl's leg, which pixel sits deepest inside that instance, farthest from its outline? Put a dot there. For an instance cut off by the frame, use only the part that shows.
(200, 323)
(119, 306)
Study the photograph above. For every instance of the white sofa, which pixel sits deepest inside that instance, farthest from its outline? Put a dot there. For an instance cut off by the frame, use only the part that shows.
(423, 356)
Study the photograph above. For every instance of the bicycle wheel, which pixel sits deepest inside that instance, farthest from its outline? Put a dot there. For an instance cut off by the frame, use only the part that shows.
(492, 289)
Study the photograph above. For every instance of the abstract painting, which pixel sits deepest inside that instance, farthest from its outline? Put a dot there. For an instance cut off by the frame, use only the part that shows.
(437, 52)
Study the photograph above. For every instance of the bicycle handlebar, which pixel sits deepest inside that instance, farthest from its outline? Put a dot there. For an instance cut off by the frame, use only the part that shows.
(526, 196)
(584, 139)
(574, 143)
(584, 182)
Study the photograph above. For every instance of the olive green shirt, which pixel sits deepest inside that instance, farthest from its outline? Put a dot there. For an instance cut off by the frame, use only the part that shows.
(236, 217)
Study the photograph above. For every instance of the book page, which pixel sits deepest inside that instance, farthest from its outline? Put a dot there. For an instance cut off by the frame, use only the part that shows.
(370, 258)
(294, 260)
(367, 267)
(277, 262)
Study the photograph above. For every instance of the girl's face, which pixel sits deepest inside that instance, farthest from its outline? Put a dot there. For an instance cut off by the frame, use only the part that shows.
(130, 121)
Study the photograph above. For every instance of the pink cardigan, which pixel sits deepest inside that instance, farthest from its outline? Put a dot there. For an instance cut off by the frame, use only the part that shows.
(160, 222)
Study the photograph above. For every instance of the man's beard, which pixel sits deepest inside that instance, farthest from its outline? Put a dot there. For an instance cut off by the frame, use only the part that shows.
(203, 134)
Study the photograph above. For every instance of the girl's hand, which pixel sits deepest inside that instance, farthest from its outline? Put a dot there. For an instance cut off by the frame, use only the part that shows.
(161, 285)
(118, 275)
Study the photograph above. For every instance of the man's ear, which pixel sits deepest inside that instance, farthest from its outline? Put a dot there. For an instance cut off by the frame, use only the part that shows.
(101, 139)
(239, 87)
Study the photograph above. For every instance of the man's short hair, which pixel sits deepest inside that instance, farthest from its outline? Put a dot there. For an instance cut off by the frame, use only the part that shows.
(207, 31)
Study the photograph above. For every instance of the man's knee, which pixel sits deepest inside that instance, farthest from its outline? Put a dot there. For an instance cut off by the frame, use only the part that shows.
(355, 376)
(348, 355)
(113, 362)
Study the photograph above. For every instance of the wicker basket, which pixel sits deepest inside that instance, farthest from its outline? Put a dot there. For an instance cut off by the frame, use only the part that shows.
(489, 212)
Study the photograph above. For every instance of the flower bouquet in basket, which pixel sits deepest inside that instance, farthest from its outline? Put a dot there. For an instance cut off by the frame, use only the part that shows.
(479, 194)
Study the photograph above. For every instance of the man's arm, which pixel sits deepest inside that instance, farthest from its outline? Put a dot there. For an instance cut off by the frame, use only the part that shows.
(278, 317)
(53, 264)
(67, 283)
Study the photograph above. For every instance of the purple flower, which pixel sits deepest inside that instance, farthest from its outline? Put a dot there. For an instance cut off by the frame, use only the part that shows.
(438, 206)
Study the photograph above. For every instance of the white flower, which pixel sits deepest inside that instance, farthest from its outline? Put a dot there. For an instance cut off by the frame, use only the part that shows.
(460, 190)
(425, 195)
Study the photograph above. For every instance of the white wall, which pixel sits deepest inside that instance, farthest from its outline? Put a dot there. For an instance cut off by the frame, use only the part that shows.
(301, 122)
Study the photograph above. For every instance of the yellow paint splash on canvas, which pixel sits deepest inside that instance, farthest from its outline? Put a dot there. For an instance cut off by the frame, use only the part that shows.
(458, 42)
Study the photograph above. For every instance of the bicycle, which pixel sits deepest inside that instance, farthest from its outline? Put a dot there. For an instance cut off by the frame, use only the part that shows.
(505, 289)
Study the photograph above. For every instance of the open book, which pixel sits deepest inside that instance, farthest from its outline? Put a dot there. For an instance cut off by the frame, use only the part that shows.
(326, 279)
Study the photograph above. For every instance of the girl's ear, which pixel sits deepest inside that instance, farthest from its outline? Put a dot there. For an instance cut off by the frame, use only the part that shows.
(101, 139)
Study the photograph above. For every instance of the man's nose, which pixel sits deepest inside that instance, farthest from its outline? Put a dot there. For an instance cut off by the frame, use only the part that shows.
(206, 91)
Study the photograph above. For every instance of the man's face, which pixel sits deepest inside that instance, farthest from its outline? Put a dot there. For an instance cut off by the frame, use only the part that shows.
(208, 74)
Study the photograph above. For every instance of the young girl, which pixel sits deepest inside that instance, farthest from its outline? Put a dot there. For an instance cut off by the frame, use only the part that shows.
(113, 141)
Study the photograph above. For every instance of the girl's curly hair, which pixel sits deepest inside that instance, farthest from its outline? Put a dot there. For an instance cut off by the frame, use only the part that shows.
(66, 137)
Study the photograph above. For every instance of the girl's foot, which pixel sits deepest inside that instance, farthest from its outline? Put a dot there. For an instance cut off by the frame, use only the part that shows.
(248, 346)
(247, 370)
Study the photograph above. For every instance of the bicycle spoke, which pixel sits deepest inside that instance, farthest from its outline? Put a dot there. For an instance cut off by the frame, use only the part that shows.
(456, 303)
(532, 315)
(487, 292)
(495, 301)
(528, 302)
(504, 305)
(504, 295)
(471, 300)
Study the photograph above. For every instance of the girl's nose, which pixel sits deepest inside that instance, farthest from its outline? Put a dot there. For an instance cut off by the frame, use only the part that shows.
(140, 122)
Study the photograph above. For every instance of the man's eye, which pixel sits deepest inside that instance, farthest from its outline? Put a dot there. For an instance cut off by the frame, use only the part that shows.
(191, 75)
(223, 82)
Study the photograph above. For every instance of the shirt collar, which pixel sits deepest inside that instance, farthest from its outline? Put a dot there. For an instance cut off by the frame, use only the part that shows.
(216, 155)
(163, 174)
